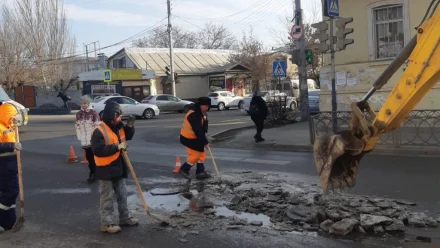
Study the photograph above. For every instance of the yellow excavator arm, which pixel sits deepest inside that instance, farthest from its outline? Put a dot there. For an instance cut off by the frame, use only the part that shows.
(337, 156)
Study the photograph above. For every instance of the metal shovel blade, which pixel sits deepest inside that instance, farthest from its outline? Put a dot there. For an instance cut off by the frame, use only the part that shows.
(337, 159)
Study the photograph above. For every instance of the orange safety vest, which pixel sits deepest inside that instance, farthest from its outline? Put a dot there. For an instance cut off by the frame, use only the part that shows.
(186, 129)
(7, 134)
(110, 139)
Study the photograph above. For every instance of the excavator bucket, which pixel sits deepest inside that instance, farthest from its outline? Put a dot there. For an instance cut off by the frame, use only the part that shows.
(337, 159)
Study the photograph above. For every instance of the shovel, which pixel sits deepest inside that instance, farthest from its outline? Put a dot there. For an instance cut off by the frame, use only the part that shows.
(20, 221)
(213, 162)
(141, 195)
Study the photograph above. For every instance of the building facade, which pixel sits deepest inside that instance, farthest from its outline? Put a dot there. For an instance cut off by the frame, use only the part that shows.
(198, 70)
(381, 29)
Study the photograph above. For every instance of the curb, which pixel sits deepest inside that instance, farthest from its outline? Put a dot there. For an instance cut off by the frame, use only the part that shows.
(228, 133)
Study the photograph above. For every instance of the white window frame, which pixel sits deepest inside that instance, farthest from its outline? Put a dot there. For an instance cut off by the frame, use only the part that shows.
(371, 25)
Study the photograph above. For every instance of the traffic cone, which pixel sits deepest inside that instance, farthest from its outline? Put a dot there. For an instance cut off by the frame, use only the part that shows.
(72, 157)
(84, 159)
(177, 167)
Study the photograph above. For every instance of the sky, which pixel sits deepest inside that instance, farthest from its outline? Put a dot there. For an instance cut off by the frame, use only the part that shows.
(111, 21)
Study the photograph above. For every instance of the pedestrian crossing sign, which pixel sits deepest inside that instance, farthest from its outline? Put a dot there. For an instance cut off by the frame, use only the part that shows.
(333, 8)
(107, 76)
(279, 69)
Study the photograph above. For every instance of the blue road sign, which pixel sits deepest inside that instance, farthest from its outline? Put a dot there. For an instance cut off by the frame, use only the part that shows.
(332, 8)
(107, 76)
(279, 69)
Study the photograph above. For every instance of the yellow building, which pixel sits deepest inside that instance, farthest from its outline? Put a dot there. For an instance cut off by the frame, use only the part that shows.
(381, 29)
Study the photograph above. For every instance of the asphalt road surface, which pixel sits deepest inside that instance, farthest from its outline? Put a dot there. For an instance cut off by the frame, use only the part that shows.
(62, 209)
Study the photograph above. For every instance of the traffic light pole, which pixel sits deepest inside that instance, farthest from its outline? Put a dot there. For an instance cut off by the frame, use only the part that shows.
(333, 78)
(302, 67)
(170, 37)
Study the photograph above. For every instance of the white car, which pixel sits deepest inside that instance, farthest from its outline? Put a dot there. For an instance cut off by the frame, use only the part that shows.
(269, 96)
(23, 117)
(129, 106)
(224, 100)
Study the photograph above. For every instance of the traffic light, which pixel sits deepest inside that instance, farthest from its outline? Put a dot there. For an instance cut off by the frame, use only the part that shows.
(342, 32)
(176, 76)
(321, 35)
(309, 56)
(295, 57)
(168, 72)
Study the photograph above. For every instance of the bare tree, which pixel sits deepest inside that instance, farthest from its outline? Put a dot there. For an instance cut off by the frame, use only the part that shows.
(159, 38)
(41, 28)
(215, 37)
(251, 53)
(210, 37)
(12, 56)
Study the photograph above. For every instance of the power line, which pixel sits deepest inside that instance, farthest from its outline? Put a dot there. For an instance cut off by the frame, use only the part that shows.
(102, 48)
(224, 17)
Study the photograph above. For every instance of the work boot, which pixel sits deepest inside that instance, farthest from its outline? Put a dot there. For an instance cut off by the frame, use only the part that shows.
(91, 178)
(184, 170)
(129, 222)
(201, 173)
(110, 228)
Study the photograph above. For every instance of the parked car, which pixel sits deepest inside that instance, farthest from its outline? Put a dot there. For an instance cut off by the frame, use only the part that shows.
(168, 103)
(269, 96)
(225, 99)
(23, 117)
(129, 106)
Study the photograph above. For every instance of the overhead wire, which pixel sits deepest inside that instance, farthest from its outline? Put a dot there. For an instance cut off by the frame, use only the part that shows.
(227, 16)
(105, 47)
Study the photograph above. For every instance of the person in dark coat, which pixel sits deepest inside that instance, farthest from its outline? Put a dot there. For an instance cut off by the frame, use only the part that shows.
(108, 140)
(8, 166)
(258, 112)
(193, 136)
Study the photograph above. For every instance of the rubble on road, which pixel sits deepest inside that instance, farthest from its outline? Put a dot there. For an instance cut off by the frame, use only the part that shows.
(250, 201)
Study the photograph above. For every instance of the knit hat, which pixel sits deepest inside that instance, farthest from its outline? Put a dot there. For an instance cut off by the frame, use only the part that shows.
(204, 101)
(85, 99)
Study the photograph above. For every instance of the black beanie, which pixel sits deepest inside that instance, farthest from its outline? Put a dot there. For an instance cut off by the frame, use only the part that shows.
(111, 109)
(204, 101)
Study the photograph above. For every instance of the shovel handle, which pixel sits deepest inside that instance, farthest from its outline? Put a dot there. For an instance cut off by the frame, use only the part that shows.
(141, 195)
(213, 162)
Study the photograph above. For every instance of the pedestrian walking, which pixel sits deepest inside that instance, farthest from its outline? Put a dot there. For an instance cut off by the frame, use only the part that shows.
(193, 136)
(108, 139)
(86, 121)
(258, 112)
(8, 166)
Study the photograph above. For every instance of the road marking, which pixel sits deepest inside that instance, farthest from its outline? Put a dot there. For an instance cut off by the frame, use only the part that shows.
(234, 159)
(63, 191)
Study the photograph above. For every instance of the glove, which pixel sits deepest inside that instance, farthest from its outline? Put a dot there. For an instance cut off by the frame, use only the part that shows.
(17, 146)
(122, 146)
(130, 121)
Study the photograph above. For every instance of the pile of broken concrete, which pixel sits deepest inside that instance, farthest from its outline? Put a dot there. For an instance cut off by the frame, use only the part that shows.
(302, 207)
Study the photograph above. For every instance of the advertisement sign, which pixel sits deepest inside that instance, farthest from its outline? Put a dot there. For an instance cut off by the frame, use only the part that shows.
(126, 74)
(103, 89)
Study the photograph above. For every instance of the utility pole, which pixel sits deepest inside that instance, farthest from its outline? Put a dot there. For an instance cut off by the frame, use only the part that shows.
(87, 59)
(333, 78)
(302, 67)
(170, 37)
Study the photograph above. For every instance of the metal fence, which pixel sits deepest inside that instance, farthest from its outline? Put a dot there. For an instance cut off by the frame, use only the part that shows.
(420, 128)
(281, 111)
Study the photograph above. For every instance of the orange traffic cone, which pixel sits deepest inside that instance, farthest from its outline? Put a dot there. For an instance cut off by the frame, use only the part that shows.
(84, 159)
(72, 157)
(177, 167)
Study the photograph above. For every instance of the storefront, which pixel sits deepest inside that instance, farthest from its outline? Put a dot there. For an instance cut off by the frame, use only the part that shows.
(137, 84)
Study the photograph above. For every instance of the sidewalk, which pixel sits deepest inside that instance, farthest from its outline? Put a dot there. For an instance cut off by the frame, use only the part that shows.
(296, 138)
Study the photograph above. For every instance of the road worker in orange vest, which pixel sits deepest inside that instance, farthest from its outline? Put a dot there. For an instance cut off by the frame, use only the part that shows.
(193, 136)
(108, 139)
(8, 166)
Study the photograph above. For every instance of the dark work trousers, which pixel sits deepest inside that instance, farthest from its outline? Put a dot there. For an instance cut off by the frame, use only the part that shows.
(259, 124)
(91, 159)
